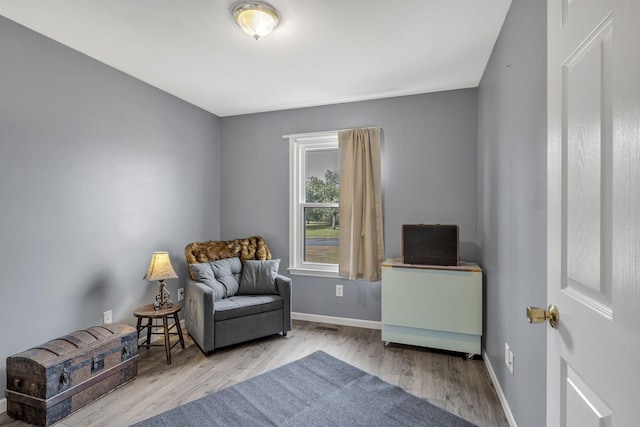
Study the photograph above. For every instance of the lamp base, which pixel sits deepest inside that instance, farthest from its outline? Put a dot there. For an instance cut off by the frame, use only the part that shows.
(162, 297)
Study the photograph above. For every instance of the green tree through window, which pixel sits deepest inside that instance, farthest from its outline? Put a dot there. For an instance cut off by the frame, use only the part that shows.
(323, 191)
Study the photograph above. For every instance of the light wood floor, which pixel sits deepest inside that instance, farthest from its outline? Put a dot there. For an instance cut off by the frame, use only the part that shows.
(447, 380)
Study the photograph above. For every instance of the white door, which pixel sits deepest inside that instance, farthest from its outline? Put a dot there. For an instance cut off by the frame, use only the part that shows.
(593, 357)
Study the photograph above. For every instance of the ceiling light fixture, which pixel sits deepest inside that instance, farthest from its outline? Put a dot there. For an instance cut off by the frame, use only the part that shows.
(256, 19)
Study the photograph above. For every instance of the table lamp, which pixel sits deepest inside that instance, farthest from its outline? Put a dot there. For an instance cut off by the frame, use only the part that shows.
(160, 269)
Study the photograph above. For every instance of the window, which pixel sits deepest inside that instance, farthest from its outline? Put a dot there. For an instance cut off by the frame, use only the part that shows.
(313, 197)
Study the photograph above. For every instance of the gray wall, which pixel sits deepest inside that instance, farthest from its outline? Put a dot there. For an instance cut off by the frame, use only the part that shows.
(512, 205)
(97, 171)
(429, 176)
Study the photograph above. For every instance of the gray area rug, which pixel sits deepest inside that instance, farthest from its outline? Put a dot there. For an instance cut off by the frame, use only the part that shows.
(317, 390)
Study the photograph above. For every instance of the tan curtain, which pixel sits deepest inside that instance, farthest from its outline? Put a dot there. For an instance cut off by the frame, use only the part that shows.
(361, 238)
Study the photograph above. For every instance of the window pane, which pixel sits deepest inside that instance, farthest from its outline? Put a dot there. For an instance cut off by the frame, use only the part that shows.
(321, 228)
(321, 176)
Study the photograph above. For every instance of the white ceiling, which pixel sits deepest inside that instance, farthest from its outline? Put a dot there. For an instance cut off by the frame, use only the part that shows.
(322, 52)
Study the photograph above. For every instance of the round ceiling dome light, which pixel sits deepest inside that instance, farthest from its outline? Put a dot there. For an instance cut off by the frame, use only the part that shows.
(256, 19)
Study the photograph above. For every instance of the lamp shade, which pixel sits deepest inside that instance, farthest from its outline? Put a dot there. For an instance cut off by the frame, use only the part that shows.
(256, 19)
(160, 267)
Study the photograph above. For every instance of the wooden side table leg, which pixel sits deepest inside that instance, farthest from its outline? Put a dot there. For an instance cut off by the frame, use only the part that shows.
(139, 328)
(167, 346)
(149, 327)
(175, 317)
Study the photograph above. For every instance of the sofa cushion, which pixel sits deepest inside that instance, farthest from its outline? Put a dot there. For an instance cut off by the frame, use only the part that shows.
(259, 277)
(203, 273)
(246, 305)
(227, 271)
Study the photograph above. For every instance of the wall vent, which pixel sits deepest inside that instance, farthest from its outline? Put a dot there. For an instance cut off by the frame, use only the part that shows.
(326, 328)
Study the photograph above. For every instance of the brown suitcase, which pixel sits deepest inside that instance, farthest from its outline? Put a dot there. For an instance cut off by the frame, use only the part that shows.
(50, 381)
(431, 244)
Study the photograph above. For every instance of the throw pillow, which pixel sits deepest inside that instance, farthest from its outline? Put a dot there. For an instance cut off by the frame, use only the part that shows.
(259, 277)
(204, 274)
(227, 271)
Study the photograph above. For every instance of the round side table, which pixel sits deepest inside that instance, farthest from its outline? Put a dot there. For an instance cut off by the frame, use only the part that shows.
(164, 313)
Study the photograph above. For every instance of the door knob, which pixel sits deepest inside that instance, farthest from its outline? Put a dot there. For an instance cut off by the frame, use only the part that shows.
(539, 315)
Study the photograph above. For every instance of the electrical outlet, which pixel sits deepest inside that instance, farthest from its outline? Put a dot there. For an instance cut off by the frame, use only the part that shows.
(106, 317)
(339, 290)
(511, 362)
(507, 350)
(180, 294)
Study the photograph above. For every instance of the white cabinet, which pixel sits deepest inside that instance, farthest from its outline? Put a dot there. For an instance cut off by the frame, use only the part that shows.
(432, 306)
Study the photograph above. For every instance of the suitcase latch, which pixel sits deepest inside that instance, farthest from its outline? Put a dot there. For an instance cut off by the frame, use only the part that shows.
(96, 365)
(125, 352)
(64, 378)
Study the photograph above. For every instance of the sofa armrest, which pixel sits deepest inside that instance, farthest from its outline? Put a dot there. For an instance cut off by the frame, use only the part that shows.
(283, 284)
(199, 311)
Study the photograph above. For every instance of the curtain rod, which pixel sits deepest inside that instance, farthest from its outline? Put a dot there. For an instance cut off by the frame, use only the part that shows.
(328, 131)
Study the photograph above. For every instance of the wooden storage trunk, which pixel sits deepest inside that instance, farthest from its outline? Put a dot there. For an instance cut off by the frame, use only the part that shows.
(50, 381)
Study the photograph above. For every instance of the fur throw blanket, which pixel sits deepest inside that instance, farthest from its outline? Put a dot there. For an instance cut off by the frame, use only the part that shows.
(249, 248)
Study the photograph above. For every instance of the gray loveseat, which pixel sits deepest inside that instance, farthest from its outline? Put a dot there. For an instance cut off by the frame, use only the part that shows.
(235, 293)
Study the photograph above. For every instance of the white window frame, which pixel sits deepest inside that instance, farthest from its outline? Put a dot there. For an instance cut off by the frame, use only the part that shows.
(298, 145)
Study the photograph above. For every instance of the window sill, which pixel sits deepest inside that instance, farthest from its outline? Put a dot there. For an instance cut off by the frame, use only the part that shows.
(313, 272)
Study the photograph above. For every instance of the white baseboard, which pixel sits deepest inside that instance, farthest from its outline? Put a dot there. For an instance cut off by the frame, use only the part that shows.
(369, 324)
(344, 321)
(501, 396)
